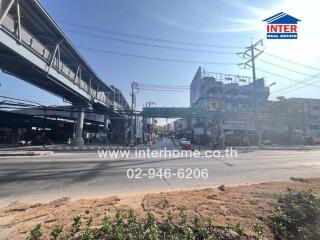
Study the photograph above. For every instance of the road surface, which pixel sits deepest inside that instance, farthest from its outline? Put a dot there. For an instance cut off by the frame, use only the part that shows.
(86, 175)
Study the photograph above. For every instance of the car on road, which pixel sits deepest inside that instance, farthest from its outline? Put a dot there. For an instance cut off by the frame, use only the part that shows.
(182, 140)
(186, 145)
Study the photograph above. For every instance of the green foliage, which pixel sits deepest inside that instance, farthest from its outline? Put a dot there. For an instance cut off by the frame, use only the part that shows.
(139, 231)
(131, 227)
(106, 228)
(135, 226)
(88, 233)
(36, 233)
(238, 228)
(210, 229)
(259, 230)
(119, 231)
(169, 225)
(132, 218)
(184, 219)
(199, 227)
(297, 217)
(152, 230)
(188, 234)
(228, 225)
(76, 225)
(56, 232)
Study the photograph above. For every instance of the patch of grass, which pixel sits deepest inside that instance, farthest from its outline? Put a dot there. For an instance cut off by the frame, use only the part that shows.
(297, 217)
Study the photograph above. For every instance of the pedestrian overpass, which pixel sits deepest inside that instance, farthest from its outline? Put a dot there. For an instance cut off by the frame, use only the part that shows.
(181, 112)
(34, 49)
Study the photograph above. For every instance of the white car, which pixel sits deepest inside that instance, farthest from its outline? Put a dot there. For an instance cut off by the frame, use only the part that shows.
(182, 140)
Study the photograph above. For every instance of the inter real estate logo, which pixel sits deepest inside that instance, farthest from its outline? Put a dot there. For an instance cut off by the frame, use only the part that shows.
(282, 26)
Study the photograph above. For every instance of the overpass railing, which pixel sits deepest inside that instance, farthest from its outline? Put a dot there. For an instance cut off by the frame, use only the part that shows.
(52, 58)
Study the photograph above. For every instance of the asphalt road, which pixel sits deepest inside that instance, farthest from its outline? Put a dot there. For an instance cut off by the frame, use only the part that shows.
(84, 174)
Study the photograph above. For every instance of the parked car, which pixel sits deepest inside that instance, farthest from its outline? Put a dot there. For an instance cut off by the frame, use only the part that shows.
(186, 145)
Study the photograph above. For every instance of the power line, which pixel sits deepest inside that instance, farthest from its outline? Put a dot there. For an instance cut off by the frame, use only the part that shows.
(303, 82)
(148, 44)
(163, 86)
(293, 62)
(285, 68)
(148, 38)
(284, 77)
(297, 88)
(164, 90)
(154, 58)
(291, 90)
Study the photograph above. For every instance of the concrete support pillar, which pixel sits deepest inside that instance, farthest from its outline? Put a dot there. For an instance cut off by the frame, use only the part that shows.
(105, 124)
(78, 140)
(105, 127)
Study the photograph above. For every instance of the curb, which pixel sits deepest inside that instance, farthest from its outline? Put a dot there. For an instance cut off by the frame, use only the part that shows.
(27, 153)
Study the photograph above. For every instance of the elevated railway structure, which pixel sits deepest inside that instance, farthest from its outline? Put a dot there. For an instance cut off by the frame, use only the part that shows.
(35, 49)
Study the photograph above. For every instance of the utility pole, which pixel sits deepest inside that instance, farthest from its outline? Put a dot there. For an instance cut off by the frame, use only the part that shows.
(145, 121)
(134, 86)
(251, 53)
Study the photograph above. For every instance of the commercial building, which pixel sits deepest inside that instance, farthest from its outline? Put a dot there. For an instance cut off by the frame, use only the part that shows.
(226, 91)
(293, 121)
(235, 98)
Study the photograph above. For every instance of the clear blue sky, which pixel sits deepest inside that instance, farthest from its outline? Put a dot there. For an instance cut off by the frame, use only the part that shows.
(220, 22)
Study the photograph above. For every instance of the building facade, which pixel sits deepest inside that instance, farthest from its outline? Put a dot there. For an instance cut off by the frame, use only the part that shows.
(293, 121)
(235, 97)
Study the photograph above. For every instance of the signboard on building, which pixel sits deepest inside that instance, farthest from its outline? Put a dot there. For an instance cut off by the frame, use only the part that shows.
(238, 125)
(212, 105)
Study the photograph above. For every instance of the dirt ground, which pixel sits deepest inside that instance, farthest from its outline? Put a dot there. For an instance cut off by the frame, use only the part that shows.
(246, 204)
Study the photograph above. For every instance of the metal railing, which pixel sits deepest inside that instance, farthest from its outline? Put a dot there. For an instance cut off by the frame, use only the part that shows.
(33, 44)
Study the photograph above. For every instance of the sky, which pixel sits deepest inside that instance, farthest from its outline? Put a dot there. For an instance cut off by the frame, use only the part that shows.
(229, 25)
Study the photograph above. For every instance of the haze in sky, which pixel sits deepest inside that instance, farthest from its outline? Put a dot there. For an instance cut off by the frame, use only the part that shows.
(136, 31)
